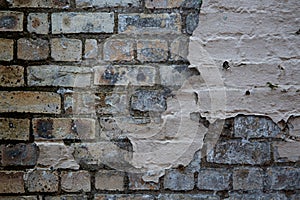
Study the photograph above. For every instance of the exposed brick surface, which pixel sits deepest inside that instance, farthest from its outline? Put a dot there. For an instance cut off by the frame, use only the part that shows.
(11, 76)
(148, 101)
(283, 178)
(91, 49)
(124, 196)
(41, 3)
(42, 181)
(11, 21)
(38, 23)
(14, 129)
(173, 3)
(18, 198)
(30, 49)
(76, 181)
(152, 50)
(67, 197)
(11, 182)
(64, 49)
(106, 3)
(248, 179)
(214, 179)
(136, 182)
(106, 180)
(6, 46)
(178, 180)
(188, 197)
(118, 50)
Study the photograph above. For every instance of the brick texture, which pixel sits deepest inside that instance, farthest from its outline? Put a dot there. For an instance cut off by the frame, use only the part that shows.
(14, 129)
(11, 182)
(11, 76)
(11, 21)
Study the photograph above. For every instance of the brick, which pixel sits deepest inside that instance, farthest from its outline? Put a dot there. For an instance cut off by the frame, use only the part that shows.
(237, 152)
(42, 181)
(286, 151)
(153, 4)
(63, 128)
(63, 49)
(38, 23)
(107, 3)
(67, 197)
(188, 197)
(283, 178)
(79, 181)
(152, 50)
(294, 126)
(76, 22)
(19, 154)
(191, 22)
(178, 180)
(258, 195)
(11, 76)
(91, 49)
(124, 197)
(41, 3)
(118, 50)
(214, 179)
(179, 49)
(149, 23)
(255, 127)
(11, 21)
(18, 198)
(7, 49)
(11, 182)
(144, 100)
(109, 180)
(63, 76)
(80, 103)
(248, 179)
(295, 196)
(51, 155)
(29, 102)
(123, 75)
(30, 49)
(14, 129)
(136, 182)
(112, 103)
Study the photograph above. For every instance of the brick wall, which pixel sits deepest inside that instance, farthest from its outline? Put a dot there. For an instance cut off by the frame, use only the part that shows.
(85, 85)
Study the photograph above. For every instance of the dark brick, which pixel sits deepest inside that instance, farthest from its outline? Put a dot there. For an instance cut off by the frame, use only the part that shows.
(192, 21)
(257, 195)
(248, 179)
(214, 179)
(11, 182)
(176, 179)
(283, 178)
(148, 101)
(188, 197)
(42, 181)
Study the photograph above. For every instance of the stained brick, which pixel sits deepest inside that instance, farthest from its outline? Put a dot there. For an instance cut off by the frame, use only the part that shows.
(214, 179)
(63, 128)
(75, 22)
(188, 197)
(14, 129)
(38, 23)
(19, 155)
(30, 102)
(178, 180)
(76, 181)
(7, 49)
(173, 4)
(91, 49)
(18, 198)
(258, 195)
(54, 75)
(149, 23)
(144, 100)
(41, 3)
(11, 21)
(124, 197)
(80, 103)
(107, 3)
(179, 49)
(136, 182)
(42, 181)
(63, 49)
(11, 182)
(283, 178)
(248, 179)
(152, 50)
(30, 49)
(191, 22)
(106, 180)
(123, 75)
(67, 197)
(11, 76)
(118, 50)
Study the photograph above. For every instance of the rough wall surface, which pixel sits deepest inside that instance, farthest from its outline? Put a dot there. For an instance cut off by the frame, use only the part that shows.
(133, 99)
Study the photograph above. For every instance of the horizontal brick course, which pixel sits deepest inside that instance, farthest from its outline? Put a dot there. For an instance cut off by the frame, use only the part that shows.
(40, 3)
(107, 3)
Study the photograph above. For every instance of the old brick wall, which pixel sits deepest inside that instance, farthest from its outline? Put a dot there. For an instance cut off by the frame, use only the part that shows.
(91, 91)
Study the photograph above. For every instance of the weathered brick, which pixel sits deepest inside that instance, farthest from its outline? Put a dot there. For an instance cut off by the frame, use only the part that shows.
(179, 49)
(124, 197)
(41, 3)
(248, 179)
(41, 181)
(112, 103)
(29, 102)
(51, 155)
(80, 103)
(109, 180)
(79, 181)
(188, 197)
(283, 178)
(18, 198)
(54, 75)
(63, 128)
(11, 76)
(11, 21)
(118, 50)
(173, 4)
(11, 182)
(75, 22)
(30, 49)
(107, 3)
(214, 179)
(14, 129)
(136, 182)
(152, 50)
(144, 100)
(151, 23)
(191, 22)
(19, 154)
(67, 197)
(294, 126)
(7, 49)
(254, 127)
(286, 151)
(178, 180)
(257, 195)
(63, 49)
(91, 49)
(237, 152)
(38, 23)
(295, 196)
(123, 75)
